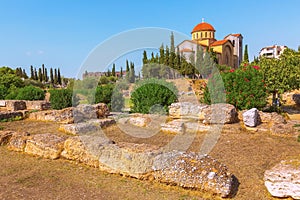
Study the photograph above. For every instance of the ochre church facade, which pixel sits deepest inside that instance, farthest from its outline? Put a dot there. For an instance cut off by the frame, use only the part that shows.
(228, 50)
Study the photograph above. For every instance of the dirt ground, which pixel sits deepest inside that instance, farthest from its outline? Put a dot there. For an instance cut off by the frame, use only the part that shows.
(246, 154)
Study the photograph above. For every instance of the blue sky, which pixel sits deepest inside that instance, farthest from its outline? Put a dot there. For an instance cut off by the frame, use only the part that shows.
(62, 33)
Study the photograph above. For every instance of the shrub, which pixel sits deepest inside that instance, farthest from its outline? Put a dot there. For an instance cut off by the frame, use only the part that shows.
(30, 93)
(244, 88)
(63, 98)
(111, 96)
(153, 94)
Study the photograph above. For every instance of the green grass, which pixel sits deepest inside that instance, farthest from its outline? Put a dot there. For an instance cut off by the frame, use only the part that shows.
(17, 118)
(1, 128)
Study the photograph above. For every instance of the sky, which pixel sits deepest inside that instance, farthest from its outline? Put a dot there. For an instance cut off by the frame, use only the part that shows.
(65, 33)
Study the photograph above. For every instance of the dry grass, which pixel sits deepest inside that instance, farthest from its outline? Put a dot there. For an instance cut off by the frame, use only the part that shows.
(246, 154)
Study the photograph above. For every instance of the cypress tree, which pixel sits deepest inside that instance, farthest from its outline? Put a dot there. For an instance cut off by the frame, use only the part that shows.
(172, 47)
(40, 76)
(51, 75)
(127, 70)
(108, 74)
(43, 72)
(113, 71)
(55, 76)
(58, 77)
(35, 74)
(145, 59)
(121, 72)
(132, 73)
(167, 56)
(31, 72)
(246, 57)
(161, 54)
(24, 74)
(152, 58)
(46, 75)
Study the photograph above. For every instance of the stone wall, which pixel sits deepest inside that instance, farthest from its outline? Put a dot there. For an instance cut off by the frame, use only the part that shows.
(11, 114)
(15, 105)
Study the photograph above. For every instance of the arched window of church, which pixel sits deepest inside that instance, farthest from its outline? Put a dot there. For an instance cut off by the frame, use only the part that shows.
(197, 35)
(205, 34)
(201, 35)
(233, 42)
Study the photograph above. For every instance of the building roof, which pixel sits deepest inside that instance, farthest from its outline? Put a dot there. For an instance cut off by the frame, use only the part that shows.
(234, 34)
(186, 50)
(203, 26)
(219, 42)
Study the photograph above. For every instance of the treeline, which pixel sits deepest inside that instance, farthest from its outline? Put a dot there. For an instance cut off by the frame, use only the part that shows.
(173, 64)
(41, 75)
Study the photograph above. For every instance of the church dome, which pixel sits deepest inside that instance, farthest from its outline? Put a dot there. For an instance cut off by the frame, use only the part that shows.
(203, 26)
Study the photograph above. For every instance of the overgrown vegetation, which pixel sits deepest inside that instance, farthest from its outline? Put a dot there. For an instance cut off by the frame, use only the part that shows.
(244, 88)
(63, 98)
(152, 96)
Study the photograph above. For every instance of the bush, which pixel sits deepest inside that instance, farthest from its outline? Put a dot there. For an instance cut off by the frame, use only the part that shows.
(30, 93)
(244, 88)
(111, 96)
(153, 93)
(63, 98)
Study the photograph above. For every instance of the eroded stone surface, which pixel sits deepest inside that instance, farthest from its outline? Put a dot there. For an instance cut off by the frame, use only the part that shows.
(5, 137)
(18, 141)
(45, 145)
(283, 180)
(191, 170)
(187, 110)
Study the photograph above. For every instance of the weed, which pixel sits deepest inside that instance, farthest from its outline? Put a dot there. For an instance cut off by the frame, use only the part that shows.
(1, 128)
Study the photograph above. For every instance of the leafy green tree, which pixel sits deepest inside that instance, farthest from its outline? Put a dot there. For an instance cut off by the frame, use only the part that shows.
(246, 56)
(283, 74)
(46, 75)
(167, 56)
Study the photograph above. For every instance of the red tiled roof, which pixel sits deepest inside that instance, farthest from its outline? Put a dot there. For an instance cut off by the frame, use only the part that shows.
(203, 27)
(219, 42)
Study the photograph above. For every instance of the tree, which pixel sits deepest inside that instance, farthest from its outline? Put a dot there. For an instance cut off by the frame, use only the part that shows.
(127, 70)
(24, 75)
(167, 56)
(172, 52)
(46, 75)
(113, 71)
(35, 74)
(51, 76)
(40, 76)
(246, 57)
(132, 73)
(145, 59)
(283, 74)
(31, 72)
(55, 76)
(43, 72)
(58, 77)
(121, 72)
(161, 54)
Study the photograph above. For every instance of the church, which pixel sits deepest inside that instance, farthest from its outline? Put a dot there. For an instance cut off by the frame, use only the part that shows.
(228, 50)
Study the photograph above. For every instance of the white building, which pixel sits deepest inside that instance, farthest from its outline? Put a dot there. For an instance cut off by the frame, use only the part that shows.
(272, 51)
